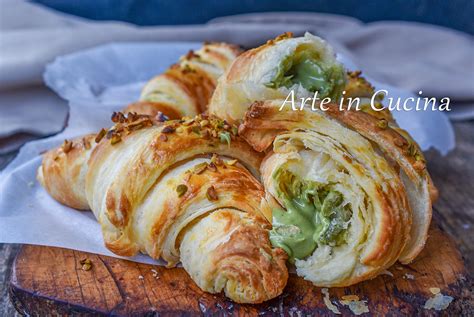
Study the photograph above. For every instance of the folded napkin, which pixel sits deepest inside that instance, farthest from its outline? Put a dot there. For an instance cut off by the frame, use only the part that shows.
(413, 56)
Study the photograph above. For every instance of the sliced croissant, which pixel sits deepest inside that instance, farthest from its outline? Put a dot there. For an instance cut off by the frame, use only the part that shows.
(304, 64)
(334, 179)
(353, 188)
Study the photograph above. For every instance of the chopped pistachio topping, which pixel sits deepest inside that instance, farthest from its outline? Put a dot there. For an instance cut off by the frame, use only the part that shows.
(100, 135)
(118, 117)
(215, 159)
(86, 143)
(382, 124)
(160, 117)
(419, 157)
(124, 125)
(163, 137)
(211, 194)
(115, 139)
(212, 166)
(167, 129)
(188, 122)
(67, 146)
(86, 264)
(196, 130)
(181, 190)
(358, 86)
(231, 162)
(200, 168)
(225, 137)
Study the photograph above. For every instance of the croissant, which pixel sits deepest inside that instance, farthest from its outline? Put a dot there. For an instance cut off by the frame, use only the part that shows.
(173, 190)
(353, 189)
(304, 65)
(186, 87)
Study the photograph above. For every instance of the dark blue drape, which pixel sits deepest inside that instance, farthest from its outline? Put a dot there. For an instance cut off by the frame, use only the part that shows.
(457, 14)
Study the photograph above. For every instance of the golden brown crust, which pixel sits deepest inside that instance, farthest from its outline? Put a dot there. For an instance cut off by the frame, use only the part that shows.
(358, 86)
(243, 64)
(243, 264)
(262, 267)
(388, 137)
(165, 144)
(62, 172)
(269, 122)
(186, 87)
(263, 122)
(232, 186)
(197, 84)
(153, 109)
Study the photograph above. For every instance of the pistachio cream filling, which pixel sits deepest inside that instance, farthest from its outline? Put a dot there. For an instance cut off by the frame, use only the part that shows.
(314, 215)
(307, 68)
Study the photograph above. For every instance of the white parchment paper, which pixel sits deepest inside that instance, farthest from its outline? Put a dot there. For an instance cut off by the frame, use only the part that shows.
(97, 82)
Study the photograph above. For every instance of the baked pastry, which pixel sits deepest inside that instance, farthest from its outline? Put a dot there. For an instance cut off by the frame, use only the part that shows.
(355, 194)
(173, 190)
(353, 189)
(186, 87)
(305, 65)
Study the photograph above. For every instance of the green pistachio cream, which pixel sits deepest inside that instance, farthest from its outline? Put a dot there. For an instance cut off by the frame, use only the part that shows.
(315, 215)
(307, 68)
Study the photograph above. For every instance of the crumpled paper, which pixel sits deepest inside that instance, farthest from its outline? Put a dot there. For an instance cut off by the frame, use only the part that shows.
(97, 82)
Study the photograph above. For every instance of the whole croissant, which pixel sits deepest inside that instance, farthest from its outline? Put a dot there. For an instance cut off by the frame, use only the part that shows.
(155, 188)
(354, 192)
(185, 89)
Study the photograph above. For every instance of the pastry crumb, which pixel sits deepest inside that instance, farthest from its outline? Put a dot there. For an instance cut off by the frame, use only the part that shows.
(435, 290)
(438, 302)
(350, 298)
(358, 307)
(328, 302)
(155, 273)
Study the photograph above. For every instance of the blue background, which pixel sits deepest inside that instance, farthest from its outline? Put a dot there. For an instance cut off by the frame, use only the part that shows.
(456, 14)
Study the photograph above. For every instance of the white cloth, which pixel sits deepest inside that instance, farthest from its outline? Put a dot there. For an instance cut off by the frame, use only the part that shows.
(414, 56)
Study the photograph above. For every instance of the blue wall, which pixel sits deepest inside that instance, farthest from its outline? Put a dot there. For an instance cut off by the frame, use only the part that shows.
(457, 14)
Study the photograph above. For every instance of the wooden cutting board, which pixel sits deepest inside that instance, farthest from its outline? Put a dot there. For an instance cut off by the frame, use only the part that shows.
(48, 280)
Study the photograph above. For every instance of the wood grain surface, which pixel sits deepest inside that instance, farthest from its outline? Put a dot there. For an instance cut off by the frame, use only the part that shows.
(48, 280)
(454, 211)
